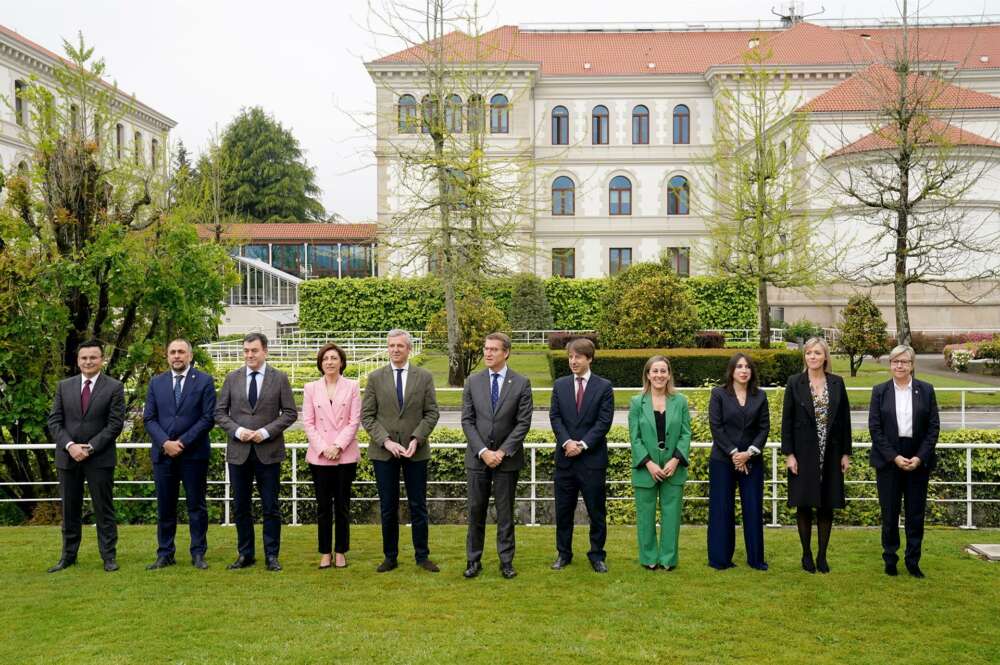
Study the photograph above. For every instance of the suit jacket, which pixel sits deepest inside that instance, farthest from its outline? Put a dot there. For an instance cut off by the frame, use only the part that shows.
(189, 422)
(503, 429)
(335, 423)
(382, 419)
(275, 411)
(642, 433)
(735, 428)
(590, 425)
(99, 426)
(885, 431)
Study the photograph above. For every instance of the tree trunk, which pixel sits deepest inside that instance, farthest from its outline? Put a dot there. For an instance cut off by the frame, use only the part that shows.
(899, 283)
(456, 373)
(764, 314)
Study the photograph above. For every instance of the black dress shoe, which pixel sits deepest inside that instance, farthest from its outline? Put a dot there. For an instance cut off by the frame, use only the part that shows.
(429, 566)
(914, 571)
(110, 566)
(198, 561)
(560, 563)
(599, 566)
(63, 564)
(161, 562)
(758, 566)
(241, 562)
(821, 565)
(507, 570)
(890, 570)
(387, 565)
(473, 569)
(808, 564)
(272, 564)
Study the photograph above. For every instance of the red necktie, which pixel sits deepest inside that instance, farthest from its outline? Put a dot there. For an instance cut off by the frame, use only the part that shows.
(85, 396)
(579, 393)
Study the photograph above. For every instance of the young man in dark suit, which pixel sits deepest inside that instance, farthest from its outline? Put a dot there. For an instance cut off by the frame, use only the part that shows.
(179, 414)
(86, 418)
(581, 413)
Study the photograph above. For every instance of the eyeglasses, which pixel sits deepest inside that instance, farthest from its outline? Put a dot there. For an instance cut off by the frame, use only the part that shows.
(902, 362)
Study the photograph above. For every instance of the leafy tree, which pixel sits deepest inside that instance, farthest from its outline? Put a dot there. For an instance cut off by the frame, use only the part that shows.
(265, 176)
(86, 251)
(529, 307)
(647, 306)
(477, 318)
(862, 331)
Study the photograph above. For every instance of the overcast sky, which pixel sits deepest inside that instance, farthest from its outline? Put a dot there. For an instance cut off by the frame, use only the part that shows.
(200, 61)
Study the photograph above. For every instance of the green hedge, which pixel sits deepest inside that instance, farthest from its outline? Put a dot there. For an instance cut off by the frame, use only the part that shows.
(691, 367)
(724, 302)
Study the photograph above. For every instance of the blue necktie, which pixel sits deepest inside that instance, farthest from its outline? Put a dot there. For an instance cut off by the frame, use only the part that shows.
(495, 391)
(177, 389)
(399, 388)
(252, 393)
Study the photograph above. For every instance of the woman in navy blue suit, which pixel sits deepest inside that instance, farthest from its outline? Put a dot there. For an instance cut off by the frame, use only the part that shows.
(740, 422)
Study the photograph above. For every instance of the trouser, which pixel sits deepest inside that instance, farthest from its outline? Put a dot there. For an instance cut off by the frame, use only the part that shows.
(570, 483)
(168, 476)
(333, 497)
(671, 499)
(100, 480)
(482, 483)
(722, 484)
(268, 478)
(414, 474)
(896, 489)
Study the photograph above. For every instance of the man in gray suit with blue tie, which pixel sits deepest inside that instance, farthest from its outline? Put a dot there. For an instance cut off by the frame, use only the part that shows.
(496, 416)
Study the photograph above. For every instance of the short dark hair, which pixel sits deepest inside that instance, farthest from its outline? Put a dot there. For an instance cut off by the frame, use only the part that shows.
(500, 337)
(91, 344)
(331, 347)
(752, 384)
(581, 346)
(249, 338)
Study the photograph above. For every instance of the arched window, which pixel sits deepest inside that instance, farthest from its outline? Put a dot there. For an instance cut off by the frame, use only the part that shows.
(119, 140)
(137, 147)
(74, 118)
(407, 114)
(428, 107)
(560, 126)
(499, 115)
(620, 196)
(682, 124)
(678, 196)
(563, 196)
(20, 103)
(154, 149)
(640, 125)
(476, 114)
(453, 114)
(22, 168)
(599, 125)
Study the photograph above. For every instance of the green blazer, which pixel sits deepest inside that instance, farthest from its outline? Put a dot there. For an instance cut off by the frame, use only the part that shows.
(642, 432)
(382, 419)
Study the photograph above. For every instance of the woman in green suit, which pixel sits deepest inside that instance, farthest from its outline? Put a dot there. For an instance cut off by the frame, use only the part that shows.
(659, 425)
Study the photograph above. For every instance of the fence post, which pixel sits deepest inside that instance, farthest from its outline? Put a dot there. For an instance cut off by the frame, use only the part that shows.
(774, 487)
(963, 408)
(533, 522)
(295, 486)
(227, 522)
(968, 486)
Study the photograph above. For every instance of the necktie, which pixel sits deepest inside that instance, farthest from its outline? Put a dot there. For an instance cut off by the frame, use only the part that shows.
(495, 391)
(177, 389)
(252, 393)
(399, 388)
(85, 396)
(579, 393)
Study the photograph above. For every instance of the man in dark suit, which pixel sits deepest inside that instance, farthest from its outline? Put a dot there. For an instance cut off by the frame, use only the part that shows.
(496, 415)
(179, 414)
(582, 410)
(255, 407)
(87, 416)
(904, 424)
(399, 412)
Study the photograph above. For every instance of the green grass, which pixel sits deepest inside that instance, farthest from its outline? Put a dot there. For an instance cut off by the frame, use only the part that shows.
(304, 615)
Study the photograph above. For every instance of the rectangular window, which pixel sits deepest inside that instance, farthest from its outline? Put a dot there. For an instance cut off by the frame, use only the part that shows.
(119, 140)
(323, 260)
(560, 130)
(599, 130)
(355, 260)
(680, 260)
(290, 258)
(154, 146)
(137, 146)
(258, 252)
(564, 262)
(20, 104)
(619, 259)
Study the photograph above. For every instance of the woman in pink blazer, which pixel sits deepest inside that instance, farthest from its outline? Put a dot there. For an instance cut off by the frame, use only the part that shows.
(331, 413)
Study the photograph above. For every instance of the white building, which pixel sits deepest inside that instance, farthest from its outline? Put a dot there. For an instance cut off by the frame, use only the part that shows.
(619, 124)
(141, 133)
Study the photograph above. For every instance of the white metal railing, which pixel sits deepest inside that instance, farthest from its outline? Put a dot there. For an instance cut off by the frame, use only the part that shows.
(772, 485)
(747, 335)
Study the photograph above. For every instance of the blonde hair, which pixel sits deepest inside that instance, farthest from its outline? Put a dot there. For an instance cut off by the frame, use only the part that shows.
(647, 385)
(820, 342)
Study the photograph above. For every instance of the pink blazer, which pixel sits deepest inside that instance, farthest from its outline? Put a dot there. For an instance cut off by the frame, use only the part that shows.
(328, 424)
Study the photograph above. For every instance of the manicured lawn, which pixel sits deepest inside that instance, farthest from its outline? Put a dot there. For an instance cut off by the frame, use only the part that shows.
(303, 615)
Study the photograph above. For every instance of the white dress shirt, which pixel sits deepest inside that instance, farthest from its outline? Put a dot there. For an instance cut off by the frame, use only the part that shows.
(406, 374)
(184, 375)
(904, 409)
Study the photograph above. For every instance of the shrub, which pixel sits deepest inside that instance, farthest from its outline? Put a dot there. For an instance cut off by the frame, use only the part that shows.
(575, 303)
(990, 350)
(691, 367)
(802, 330)
(862, 331)
(710, 340)
(529, 307)
(724, 302)
(647, 307)
(477, 318)
(559, 340)
(371, 303)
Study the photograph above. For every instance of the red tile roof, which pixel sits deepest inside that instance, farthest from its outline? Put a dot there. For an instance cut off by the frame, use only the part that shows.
(293, 232)
(932, 132)
(876, 86)
(694, 52)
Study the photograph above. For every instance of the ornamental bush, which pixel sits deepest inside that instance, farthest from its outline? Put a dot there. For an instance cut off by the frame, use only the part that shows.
(575, 303)
(371, 303)
(862, 331)
(529, 306)
(724, 302)
(647, 306)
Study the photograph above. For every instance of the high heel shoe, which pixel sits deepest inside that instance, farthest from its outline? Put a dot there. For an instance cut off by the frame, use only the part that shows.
(821, 565)
(807, 563)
